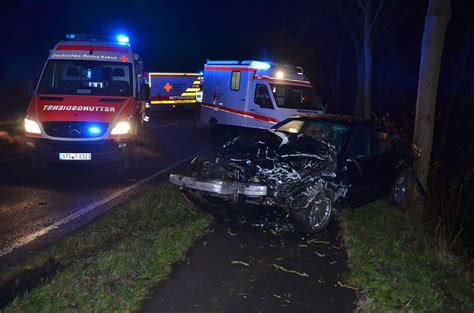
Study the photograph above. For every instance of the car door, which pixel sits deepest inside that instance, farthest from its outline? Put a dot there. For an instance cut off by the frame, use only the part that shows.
(390, 160)
(359, 165)
(261, 107)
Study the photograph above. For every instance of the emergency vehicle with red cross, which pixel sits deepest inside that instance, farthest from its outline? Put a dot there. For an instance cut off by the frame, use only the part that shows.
(255, 94)
(89, 103)
(173, 90)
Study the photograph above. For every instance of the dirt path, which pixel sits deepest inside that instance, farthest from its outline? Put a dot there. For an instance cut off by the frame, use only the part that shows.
(255, 262)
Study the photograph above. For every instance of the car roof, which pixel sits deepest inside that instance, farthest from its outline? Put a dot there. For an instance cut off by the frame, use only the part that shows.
(344, 119)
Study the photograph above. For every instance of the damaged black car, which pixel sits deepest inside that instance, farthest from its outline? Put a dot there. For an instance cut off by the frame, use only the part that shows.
(307, 166)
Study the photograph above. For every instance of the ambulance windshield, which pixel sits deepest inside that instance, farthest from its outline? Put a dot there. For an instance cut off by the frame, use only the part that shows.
(295, 97)
(77, 77)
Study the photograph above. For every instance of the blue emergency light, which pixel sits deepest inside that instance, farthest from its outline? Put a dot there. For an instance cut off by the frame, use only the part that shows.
(94, 130)
(260, 65)
(122, 39)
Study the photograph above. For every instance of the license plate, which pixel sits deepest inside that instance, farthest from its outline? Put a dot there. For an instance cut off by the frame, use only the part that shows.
(75, 156)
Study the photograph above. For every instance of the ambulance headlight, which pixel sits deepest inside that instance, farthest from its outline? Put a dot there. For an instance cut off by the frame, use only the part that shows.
(32, 127)
(280, 74)
(122, 128)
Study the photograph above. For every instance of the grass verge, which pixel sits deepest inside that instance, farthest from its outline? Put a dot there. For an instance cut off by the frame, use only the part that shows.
(398, 267)
(11, 138)
(111, 264)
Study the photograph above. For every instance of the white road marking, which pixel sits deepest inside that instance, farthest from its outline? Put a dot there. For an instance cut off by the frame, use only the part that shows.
(164, 126)
(13, 158)
(27, 239)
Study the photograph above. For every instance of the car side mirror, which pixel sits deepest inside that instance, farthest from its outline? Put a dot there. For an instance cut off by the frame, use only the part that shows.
(144, 92)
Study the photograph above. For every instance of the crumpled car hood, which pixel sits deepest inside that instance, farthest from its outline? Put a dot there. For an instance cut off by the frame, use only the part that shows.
(296, 167)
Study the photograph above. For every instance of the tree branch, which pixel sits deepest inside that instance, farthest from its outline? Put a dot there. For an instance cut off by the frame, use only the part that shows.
(376, 16)
(362, 6)
(393, 21)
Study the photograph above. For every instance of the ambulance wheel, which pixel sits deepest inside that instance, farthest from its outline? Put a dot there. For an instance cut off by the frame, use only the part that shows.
(132, 163)
(212, 124)
(214, 134)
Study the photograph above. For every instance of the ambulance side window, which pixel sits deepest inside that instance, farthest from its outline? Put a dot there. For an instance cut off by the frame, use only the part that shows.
(235, 81)
(262, 97)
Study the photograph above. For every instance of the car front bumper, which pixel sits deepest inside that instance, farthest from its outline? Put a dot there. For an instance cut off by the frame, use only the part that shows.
(102, 151)
(220, 187)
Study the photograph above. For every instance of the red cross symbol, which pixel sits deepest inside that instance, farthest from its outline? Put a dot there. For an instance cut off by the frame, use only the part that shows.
(168, 87)
(123, 58)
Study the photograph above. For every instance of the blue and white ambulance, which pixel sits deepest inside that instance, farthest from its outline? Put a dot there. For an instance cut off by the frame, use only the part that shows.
(255, 94)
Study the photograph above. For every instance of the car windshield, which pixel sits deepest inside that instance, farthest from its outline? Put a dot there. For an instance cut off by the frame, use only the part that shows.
(328, 131)
(295, 97)
(77, 77)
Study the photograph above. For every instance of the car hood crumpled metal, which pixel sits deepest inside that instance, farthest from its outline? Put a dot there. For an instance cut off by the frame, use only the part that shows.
(294, 166)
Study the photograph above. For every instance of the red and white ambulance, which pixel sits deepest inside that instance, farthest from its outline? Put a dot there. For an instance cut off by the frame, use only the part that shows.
(255, 94)
(89, 104)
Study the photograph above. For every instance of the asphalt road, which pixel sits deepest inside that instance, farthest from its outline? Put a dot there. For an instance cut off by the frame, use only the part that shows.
(30, 203)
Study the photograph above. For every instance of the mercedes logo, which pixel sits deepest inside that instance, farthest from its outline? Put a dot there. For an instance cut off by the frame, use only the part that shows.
(74, 129)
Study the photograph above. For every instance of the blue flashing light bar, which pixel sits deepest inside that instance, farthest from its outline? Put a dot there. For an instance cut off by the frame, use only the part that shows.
(94, 130)
(260, 65)
(226, 62)
(122, 39)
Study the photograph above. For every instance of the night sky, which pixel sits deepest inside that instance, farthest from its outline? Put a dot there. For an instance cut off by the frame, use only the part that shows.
(181, 35)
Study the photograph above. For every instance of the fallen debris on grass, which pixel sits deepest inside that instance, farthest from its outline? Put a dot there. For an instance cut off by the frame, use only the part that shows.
(311, 241)
(281, 268)
(345, 286)
(281, 298)
(237, 262)
(321, 255)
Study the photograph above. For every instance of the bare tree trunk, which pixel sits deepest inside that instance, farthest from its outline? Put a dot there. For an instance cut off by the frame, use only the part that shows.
(359, 104)
(436, 22)
(338, 81)
(367, 51)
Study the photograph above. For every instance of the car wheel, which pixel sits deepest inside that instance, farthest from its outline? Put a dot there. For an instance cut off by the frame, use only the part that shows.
(402, 188)
(317, 216)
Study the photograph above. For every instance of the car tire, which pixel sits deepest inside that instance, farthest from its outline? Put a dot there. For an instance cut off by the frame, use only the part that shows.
(317, 216)
(402, 188)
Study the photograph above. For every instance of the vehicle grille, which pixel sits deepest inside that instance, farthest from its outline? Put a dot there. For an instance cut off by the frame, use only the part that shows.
(75, 129)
